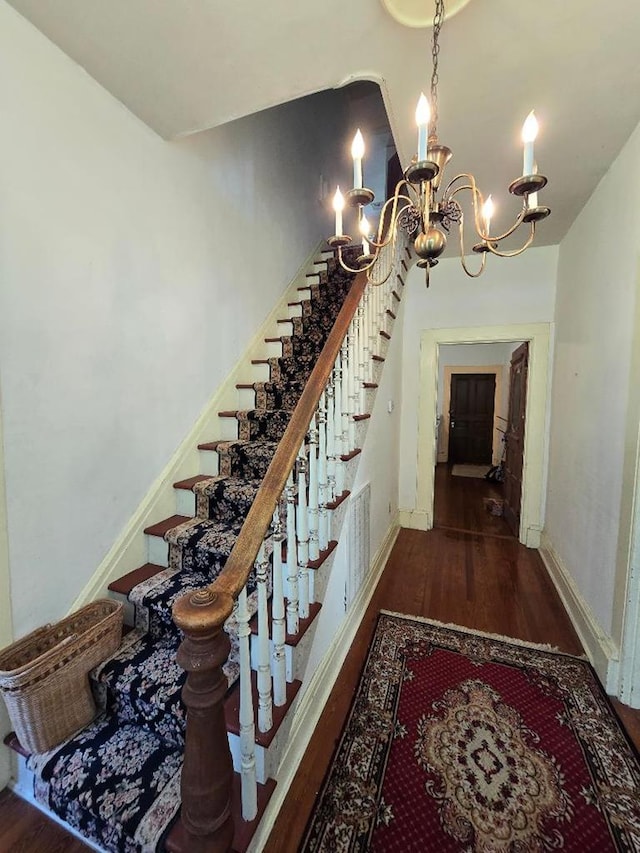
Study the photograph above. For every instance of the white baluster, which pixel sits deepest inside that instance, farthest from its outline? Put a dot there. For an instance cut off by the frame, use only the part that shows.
(330, 429)
(314, 515)
(323, 482)
(344, 360)
(302, 533)
(337, 429)
(277, 615)
(249, 787)
(351, 398)
(265, 706)
(366, 334)
(362, 370)
(292, 559)
(373, 343)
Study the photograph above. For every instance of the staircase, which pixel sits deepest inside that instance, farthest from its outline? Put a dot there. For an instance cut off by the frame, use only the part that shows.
(117, 782)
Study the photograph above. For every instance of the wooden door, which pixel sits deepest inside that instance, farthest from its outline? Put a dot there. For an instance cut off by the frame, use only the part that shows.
(471, 417)
(514, 437)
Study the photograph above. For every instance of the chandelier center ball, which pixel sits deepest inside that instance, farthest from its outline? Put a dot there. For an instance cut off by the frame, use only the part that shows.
(417, 13)
(431, 244)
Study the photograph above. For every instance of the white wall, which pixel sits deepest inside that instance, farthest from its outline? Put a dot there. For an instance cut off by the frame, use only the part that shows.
(133, 272)
(510, 292)
(596, 294)
(6, 628)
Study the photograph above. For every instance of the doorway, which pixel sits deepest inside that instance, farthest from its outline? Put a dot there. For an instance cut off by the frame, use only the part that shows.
(536, 408)
(471, 415)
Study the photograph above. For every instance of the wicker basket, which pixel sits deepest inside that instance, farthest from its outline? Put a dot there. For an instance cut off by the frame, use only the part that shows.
(44, 676)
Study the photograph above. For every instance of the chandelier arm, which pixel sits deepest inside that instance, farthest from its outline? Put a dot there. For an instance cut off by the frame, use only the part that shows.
(515, 252)
(468, 271)
(477, 194)
(483, 262)
(346, 266)
(397, 196)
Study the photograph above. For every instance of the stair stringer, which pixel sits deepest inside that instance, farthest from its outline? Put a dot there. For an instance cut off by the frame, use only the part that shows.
(130, 548)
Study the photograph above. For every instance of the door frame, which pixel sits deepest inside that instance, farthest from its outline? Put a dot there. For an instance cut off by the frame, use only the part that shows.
(538, 335)
(450, 370)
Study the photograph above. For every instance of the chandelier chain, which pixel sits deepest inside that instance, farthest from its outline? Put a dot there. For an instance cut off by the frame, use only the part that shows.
(438, 19)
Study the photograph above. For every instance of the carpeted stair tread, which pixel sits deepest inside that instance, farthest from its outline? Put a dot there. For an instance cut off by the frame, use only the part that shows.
(202, 544)
(161, 527)
(141, 684)
(190, 482)
(124, 584)
(259, 423)
(224, 498)
(117, 784)
(245, 458)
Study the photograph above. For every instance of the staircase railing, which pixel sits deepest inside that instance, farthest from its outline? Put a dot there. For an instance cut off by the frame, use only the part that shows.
(305, 478)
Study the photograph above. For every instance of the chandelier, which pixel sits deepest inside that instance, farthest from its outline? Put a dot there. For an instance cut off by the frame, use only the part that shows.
(428, 209)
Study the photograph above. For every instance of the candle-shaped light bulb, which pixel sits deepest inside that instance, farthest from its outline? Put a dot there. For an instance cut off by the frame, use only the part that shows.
(365, 228)
(529, 133)
(423, 116)
(532, 200)
(338, 206)
(488, 209)
(357, 152)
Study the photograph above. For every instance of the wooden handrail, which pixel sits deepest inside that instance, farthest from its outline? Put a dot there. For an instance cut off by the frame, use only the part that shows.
(191, 611)
(206, 819)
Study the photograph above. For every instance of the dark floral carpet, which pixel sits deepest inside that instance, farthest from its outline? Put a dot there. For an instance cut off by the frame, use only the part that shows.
(460, 742)
(118, 780)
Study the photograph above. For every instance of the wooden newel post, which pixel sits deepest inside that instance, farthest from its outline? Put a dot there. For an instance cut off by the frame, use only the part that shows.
(208, 769)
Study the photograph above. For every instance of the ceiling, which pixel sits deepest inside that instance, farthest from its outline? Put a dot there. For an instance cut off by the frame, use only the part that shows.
(187, 65)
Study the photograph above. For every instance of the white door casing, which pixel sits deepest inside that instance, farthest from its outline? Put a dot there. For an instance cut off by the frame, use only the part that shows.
(535, 451)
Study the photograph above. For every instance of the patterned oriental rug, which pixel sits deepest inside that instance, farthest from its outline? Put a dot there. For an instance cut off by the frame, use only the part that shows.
(466, 742)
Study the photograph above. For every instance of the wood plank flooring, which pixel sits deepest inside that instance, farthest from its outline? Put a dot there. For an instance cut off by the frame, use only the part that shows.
(24, 829)
(482, 578)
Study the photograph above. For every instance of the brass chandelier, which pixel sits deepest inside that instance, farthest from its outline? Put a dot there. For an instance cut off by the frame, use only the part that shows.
(424, 209)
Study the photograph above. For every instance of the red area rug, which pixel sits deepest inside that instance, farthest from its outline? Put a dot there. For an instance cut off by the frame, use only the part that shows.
(460, 741)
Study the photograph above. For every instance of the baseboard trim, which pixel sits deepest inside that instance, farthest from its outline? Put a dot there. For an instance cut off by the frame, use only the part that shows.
(415, 519)
(321, 684)
(599, 646)
(129, 550)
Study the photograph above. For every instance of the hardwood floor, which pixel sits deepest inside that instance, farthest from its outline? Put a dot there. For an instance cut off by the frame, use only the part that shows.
(23, 829)
(486, 581)
(482, 579)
